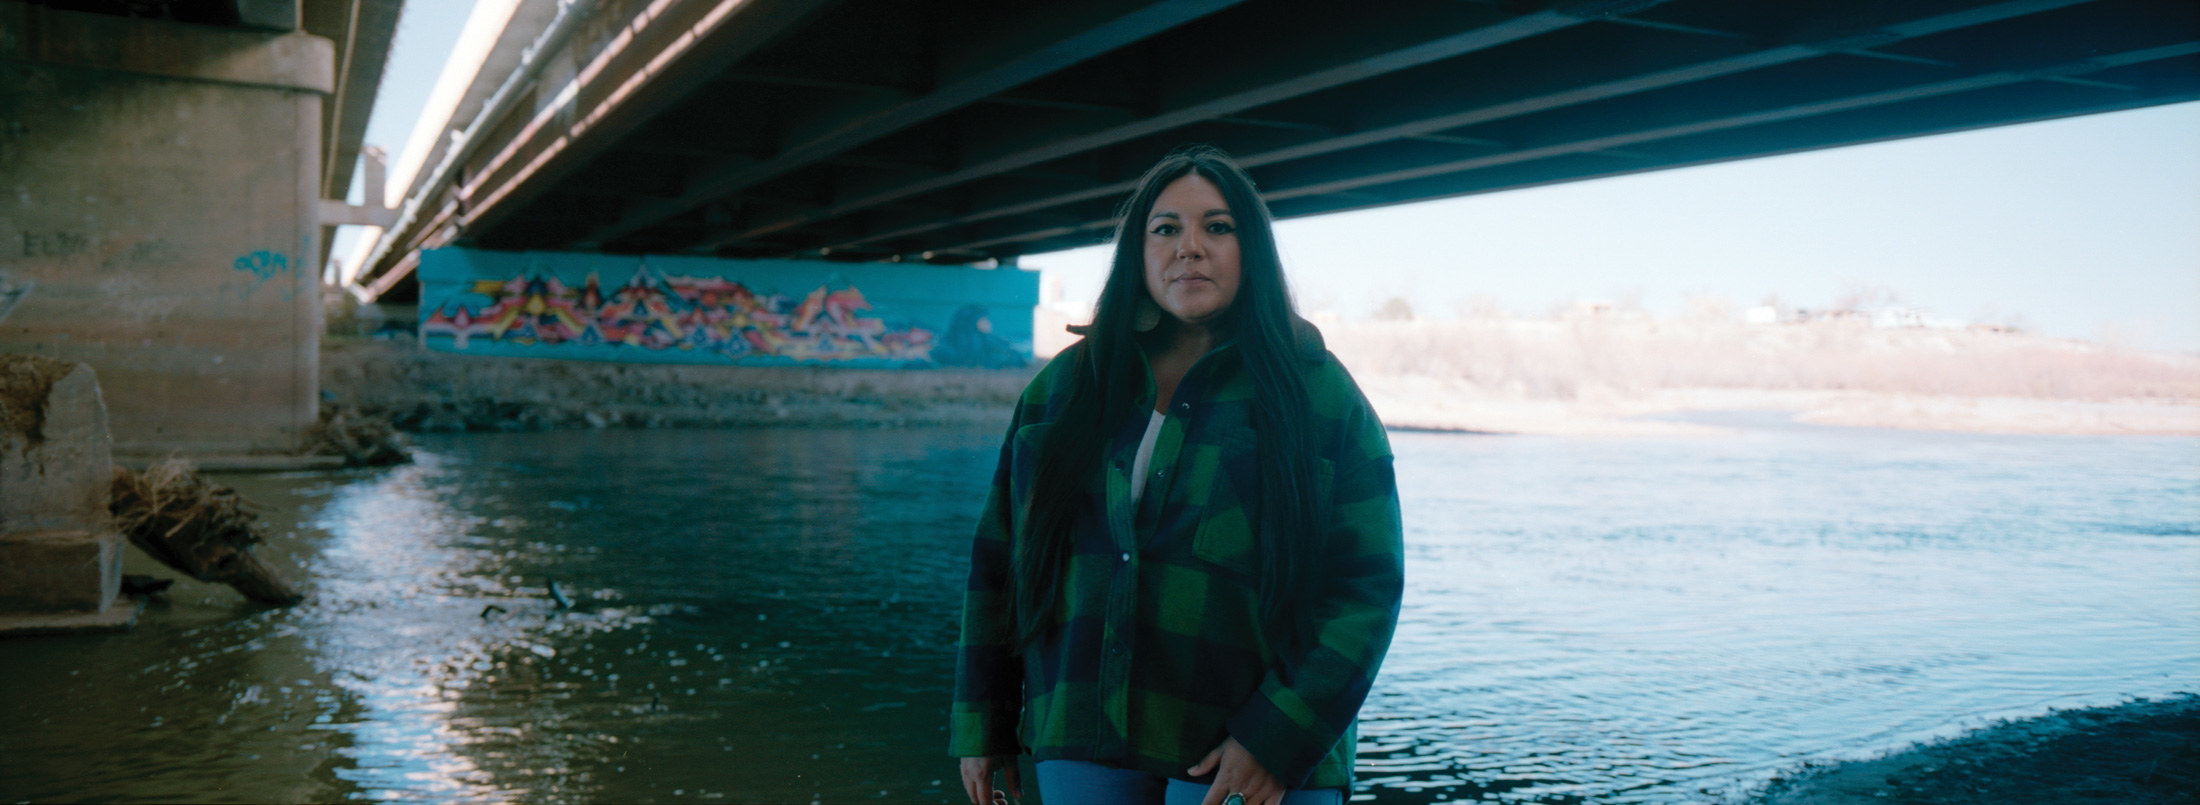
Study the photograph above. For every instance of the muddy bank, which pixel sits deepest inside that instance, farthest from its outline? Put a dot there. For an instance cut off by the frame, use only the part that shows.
(2138, 753)
(422, 391)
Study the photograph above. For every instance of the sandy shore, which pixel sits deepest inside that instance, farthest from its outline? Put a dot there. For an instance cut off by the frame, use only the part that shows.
(2141, 753)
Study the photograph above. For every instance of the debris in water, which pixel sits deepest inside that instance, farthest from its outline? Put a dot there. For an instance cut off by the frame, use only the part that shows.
(558, 596)
(492, 608)
(363, 439)
(144, 585)
(196, 526)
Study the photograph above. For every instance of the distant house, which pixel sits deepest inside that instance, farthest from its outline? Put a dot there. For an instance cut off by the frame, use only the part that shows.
(1896, 318)
(1911, 318)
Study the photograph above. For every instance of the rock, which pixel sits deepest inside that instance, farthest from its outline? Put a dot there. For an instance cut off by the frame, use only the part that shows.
(441, 421)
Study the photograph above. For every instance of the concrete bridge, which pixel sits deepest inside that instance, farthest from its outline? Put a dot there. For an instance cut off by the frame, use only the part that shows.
(171, 165)
(168, 168)
(973, 131)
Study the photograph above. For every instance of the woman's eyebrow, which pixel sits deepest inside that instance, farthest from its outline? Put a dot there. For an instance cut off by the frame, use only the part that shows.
(1209, 214)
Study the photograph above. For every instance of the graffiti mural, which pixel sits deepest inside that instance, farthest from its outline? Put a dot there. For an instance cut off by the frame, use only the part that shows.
(699, 310)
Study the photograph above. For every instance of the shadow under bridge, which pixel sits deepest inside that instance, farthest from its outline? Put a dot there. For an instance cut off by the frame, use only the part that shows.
(959, 132)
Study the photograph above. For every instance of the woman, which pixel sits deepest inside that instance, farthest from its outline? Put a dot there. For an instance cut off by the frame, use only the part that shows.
(1189, 566)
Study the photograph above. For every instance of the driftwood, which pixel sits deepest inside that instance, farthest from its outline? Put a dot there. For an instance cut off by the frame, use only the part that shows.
(201, 528)
(363, 439)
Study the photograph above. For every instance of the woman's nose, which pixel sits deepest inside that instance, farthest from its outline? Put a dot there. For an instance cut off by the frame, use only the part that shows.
(1189, 248)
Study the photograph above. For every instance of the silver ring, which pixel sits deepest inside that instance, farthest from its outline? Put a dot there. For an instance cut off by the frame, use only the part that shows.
(1234, 798)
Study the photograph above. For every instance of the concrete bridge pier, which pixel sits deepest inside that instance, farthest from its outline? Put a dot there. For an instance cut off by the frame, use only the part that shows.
(160, 220)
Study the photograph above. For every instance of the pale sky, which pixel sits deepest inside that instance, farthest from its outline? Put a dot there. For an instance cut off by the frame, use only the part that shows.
(2085, 227)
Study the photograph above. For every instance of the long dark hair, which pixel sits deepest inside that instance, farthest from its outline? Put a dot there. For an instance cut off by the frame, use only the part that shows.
(1273, 344)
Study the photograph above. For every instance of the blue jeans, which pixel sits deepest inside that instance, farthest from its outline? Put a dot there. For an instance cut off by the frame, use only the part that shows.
(1076, 782)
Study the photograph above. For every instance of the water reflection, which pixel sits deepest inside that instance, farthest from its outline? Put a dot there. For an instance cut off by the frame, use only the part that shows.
(683, 666)
(401, 573)
(1670, 620)
(754, 616)
(768, 616)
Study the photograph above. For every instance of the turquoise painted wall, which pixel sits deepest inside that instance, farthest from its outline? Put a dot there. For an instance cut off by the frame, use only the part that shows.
(679, 309)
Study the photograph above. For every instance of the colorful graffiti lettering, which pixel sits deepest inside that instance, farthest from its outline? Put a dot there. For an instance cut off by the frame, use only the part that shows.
(656, 312)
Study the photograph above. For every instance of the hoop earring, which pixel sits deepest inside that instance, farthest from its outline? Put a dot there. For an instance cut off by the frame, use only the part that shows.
(1145, 315)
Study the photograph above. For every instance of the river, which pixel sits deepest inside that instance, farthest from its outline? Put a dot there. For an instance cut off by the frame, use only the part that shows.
(768, 615)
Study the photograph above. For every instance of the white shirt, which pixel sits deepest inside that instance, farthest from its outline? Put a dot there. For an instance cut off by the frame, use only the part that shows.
(1145, 457)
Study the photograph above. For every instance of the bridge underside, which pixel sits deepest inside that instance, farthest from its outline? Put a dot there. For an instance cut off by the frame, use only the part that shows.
(957, 132)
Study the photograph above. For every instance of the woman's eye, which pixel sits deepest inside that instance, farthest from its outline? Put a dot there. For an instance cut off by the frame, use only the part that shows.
(1165, 230)
(1221, 228)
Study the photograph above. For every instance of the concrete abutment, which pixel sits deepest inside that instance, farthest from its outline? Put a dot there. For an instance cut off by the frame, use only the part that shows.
(159, 221)
(60, 556)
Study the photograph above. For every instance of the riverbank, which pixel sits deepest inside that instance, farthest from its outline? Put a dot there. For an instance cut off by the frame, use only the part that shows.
(424, 391)
(2140, 753)
(1578, 377)
(1450, 404)
(1634, 375)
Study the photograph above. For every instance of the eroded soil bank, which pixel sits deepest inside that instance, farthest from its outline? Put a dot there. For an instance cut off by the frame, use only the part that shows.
(2139, 753)
(423, 391)
(1551, 378)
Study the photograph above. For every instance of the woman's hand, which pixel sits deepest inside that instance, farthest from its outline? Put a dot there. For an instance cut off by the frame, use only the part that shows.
(1236, 772)
(978, 778)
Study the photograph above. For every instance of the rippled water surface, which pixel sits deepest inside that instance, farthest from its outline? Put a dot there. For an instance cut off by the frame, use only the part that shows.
(768, 616)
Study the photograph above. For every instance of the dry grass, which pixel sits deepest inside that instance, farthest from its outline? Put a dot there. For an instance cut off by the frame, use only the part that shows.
(1570, 359)
(177, 516)
(363, 439)
(193, 525)
(25, 381)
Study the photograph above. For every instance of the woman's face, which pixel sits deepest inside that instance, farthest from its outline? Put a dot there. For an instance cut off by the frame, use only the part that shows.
(1192, 251)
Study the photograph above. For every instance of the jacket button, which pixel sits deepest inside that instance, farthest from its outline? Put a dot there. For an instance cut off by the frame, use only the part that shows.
(1126, 556)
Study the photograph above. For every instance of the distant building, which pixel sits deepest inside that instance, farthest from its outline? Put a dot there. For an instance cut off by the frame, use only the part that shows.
(1911, 318)
(1897, 318)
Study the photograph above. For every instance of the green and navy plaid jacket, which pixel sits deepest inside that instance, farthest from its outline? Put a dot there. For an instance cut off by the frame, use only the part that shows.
(1158, 653)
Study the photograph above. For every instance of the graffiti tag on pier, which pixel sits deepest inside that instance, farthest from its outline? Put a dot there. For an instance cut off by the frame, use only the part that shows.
(263, 265)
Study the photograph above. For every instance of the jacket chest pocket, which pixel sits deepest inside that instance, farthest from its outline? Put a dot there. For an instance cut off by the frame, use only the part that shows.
(1226, 535)
(1023, 468)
